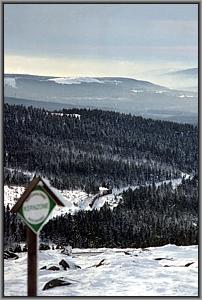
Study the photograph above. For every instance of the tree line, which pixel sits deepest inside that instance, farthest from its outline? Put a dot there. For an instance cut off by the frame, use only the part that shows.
(148, 216)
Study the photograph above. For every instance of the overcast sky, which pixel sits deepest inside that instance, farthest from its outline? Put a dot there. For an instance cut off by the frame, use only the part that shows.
(99, 39)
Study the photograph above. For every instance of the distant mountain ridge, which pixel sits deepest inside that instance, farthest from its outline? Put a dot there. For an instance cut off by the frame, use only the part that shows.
(126, 95)
(186, 79)
(84, 80)
(185, 72)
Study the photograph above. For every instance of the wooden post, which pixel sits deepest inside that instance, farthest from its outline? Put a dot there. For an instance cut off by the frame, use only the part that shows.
(28, 208)
(32, 263)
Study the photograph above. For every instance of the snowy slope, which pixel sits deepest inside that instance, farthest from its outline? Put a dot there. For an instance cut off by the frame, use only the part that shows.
(79, 200)
(136, 273)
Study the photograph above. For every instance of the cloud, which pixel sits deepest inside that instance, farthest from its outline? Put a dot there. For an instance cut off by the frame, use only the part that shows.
(90, 34)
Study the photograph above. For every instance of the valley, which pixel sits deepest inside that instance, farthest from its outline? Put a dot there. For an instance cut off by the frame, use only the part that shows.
(101, 135)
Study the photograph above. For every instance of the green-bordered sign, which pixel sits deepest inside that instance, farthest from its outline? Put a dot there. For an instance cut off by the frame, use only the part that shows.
(36, 204)
(36, 208)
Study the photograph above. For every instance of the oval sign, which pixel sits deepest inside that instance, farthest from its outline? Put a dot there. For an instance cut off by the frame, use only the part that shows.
(36, 208)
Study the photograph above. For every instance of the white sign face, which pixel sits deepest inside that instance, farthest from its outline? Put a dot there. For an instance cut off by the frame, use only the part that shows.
(36, 207)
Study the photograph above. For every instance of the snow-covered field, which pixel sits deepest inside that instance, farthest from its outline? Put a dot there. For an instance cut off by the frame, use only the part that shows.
(156, 271)
(76, 200)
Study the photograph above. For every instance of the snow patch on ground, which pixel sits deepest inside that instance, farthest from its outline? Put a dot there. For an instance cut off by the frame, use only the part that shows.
(137, 91)
(10, 81)
(186, 96)
(75, 80)
(160, 92)
(80, 80)
(136, 273)
(12, 193)
(75, 200)
(69, 115)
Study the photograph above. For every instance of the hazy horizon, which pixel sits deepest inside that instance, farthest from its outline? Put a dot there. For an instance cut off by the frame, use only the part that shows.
(100, 40)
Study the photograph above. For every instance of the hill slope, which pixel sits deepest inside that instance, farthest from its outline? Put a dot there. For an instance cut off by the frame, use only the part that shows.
(97, 147)
(110, 93)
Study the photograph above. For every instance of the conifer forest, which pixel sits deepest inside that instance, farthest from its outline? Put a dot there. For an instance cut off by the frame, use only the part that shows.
(85, 149)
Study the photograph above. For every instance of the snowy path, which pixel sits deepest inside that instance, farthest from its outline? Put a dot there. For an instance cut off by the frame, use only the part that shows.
(136, 273)
(114, 198)
(79, 200)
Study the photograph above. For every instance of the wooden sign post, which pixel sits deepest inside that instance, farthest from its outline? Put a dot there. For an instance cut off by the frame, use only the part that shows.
(32, 240)
(34, 207)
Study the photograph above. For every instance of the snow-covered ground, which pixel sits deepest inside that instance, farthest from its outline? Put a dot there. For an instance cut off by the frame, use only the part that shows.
(80, 80)
(75, 80)
(12, 193)
(156, 271)
(79, 200)
(62, 114)
(10, 81)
